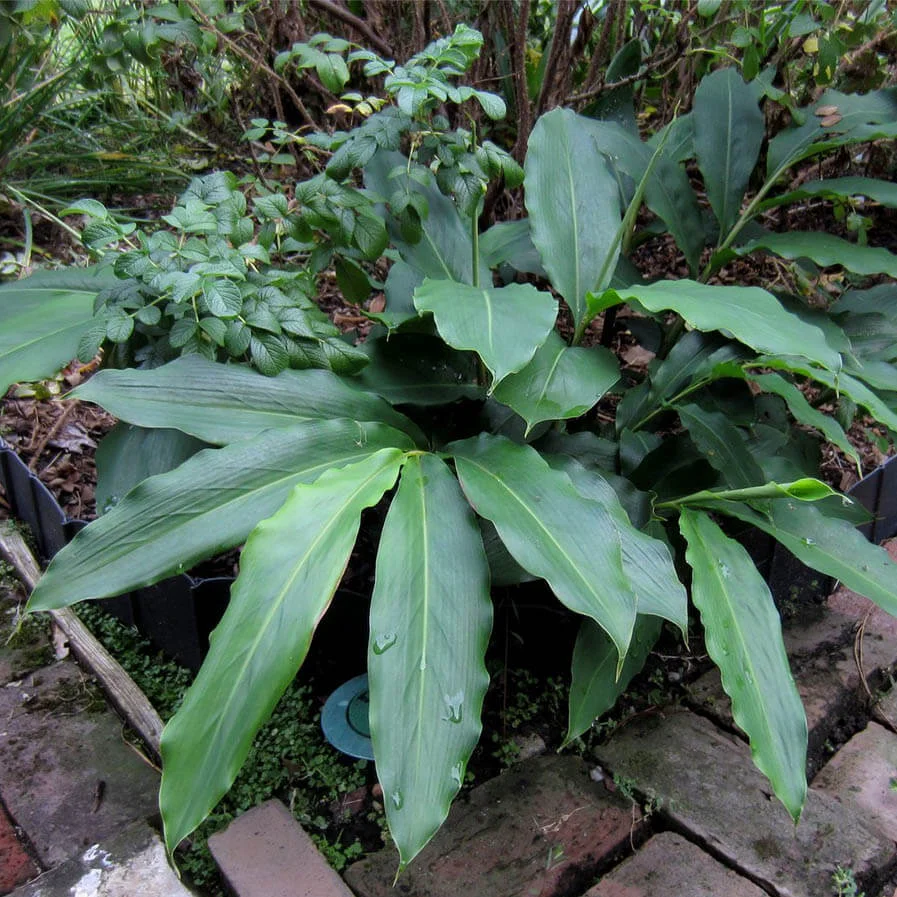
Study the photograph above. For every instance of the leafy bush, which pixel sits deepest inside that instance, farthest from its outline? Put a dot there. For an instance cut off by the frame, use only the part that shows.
(224, 281)
(522, 480)
(211, 285)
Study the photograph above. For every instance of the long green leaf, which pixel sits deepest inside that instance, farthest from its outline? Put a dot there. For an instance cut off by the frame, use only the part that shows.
(503, 325)
(877, 300)
(752, 315)
(431, 615)
(127, 455)
(221, 403)
(510, 242)
(861, 117)
(399, 287)
(550, 529)
(42, 319)
(843, 383)
(646, 561)
(728, 131)
(692, 359)
(828, 544)
(594, 685)
(419, 368)
(445, 249)
(825, 249)
(880, 191)
(210, 503)
(743, 635)
(880, 375)
(804, 413)
(668, 191)
(574, 206)
(560, 382)
(722, 445)
(678, 138)
(289, 570)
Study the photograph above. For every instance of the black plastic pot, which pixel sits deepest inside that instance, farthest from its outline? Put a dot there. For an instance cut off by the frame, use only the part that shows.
(178, 614)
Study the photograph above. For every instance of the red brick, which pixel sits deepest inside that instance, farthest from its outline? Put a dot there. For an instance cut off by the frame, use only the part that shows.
(668, 864)
(704, 784)
(16, 866)
(860, 776)
(265, 853)
(539, 829)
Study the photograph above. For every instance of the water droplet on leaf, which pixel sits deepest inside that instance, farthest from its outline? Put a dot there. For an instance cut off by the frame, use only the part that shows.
(384, 641)
(453, 705)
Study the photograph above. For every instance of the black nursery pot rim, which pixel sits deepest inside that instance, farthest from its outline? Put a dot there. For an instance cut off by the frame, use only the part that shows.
(179, 613)
(176, 615)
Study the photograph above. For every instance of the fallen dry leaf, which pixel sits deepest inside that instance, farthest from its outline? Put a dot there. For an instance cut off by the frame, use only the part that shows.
(637, 356)
(73, 438)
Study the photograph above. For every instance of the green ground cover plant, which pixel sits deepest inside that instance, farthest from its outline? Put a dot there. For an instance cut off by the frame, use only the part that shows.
(473, 419)
(289, 756)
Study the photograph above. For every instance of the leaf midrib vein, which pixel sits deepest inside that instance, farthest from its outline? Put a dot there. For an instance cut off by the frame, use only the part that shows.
(548, 534)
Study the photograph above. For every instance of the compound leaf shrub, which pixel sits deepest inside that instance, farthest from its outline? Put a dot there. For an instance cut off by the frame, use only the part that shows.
(521, 481)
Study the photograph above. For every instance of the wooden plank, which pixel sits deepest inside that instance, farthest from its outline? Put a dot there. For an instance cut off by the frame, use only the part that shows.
(123, 692)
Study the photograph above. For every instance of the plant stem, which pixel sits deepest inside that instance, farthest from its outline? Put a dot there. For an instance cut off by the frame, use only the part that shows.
(29, 238)
(28, 201)
(744, 218)
(475, 241)
(694, 387)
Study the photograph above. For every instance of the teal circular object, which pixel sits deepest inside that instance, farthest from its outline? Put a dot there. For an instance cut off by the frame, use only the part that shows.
(344, 719)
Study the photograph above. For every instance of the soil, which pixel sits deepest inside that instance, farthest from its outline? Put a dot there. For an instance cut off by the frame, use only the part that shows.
(57, 440)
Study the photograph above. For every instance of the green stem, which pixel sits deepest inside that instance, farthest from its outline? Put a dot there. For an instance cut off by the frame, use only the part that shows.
(29, 201)
(29, 238)
(743, 219)
(750, 493)
(622, 239)
(475, 239)
(694, 387)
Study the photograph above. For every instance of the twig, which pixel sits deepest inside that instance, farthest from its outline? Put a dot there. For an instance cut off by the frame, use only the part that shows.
(594, 78)
(358, 24)
(128, 699)
(657, 62)
(57, 426)
(248, 57)
(858, 655)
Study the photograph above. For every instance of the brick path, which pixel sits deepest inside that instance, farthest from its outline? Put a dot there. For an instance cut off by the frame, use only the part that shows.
(715, 830)
(74, 796)
(674, 806)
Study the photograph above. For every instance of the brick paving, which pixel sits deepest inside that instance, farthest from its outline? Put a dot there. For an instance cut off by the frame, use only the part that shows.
(671, 865)
(540, 829)
(717, 829)
(265, 853)
(16, 864)
(79, 794)
(551, 826)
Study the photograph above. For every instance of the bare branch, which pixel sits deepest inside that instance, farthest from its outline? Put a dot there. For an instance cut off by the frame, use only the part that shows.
(338, 12)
